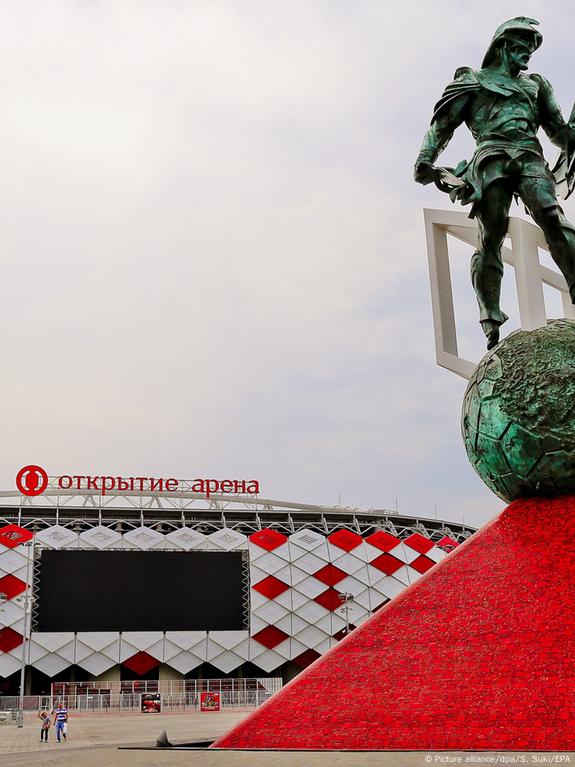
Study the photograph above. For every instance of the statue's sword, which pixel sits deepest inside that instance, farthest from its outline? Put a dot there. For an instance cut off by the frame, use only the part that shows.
(564, 170)
(570, 176)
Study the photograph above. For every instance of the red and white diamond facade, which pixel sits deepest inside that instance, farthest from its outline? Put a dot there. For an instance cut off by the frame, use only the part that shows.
(300, 559)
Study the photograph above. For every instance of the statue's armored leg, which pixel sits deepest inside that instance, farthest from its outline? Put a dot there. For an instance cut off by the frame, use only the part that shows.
(487, 264)
(539, 196)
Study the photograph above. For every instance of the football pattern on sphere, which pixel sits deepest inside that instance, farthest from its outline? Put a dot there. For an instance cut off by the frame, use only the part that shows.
(518, 418)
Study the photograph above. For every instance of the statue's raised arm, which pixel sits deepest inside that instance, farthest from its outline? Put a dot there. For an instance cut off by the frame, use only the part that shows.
(504, 108)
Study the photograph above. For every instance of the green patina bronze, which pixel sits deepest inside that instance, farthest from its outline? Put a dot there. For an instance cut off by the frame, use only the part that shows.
(504, 108)
(518, 418)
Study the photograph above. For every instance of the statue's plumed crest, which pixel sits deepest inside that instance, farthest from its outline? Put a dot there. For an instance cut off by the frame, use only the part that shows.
(518, 28)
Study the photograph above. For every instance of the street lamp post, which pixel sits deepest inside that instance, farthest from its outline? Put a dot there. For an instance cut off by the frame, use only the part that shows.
(347, 600)
(27, 598)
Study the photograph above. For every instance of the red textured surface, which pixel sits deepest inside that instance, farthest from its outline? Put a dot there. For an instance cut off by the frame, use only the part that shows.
(12, 535)
(345, 539)
(330, 575)
(479, 654)
(9, 639)
(141, 663)
(11, 586)
(268, 539)
(271, 587)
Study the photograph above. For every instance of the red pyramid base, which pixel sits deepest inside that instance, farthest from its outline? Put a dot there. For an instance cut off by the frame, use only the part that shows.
(478, 654)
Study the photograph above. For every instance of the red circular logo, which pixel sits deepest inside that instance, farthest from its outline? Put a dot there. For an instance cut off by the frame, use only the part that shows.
(31, 480)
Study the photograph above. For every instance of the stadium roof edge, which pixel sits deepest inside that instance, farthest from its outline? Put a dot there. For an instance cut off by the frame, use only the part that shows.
(213, 502)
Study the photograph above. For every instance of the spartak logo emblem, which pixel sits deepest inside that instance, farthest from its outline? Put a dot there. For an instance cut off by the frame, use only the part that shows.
(31, 480)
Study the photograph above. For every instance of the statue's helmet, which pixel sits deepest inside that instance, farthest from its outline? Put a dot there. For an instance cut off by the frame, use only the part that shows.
(519, 28)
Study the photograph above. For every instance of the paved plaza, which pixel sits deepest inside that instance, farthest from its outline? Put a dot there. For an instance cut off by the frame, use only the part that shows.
(94, 739)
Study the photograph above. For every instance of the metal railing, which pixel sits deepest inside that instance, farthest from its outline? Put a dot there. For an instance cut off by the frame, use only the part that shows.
(168, 686)
(128, 702)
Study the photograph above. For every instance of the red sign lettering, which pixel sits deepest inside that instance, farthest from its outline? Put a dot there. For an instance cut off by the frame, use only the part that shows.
(33, 480)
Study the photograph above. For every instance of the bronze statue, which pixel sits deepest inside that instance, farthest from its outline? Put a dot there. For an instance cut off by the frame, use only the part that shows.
(504, 109)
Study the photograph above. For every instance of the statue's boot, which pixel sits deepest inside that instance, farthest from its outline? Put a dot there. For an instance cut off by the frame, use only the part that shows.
(491, 330)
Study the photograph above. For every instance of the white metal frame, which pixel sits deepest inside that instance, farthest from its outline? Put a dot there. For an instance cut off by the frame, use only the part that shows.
(523, 256)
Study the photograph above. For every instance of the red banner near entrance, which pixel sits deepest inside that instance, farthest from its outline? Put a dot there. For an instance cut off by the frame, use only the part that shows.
(210, 701)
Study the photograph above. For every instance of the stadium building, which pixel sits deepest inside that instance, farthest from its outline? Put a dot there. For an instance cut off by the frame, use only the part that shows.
(172, 585)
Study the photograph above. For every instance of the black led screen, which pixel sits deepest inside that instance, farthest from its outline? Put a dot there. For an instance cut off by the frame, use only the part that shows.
(140, 591)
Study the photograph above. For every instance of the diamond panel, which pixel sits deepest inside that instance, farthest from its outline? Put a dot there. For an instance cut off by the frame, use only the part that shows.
(11, 586)
(12, 535)
(307, 539)
(227, 539)
(422, 564)
(100, 537)
(270, 637)
(382, 540)
(143, 537)
(309, 563)
(269, 563)
(12, 561)
(141, 663)
(96, 663)
(404, 574)
(419, 542)
(306, 658)
(270, 587)
(9, 665)
(187, 538)
(51, 664)
(345, 539)
(330, 575)
(447, 543)
(142, 640)
(405, 553)
(329, 599)
(311, 587)
(97, 640)
(268, 539)
(57, 537)
(184, 662)
(229, 640)
(187, 640)
(311, 636)
(389, 587)
(387, 563)
(227, 661)
(52, 640)
(271, 611)
(11, 613)
(436, 554)
(269, 660)
(348, 562)
(9, 639)
(312, 612)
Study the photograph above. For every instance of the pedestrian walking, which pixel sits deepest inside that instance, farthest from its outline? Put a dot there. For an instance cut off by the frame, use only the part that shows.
(61, 721)
(46, 722)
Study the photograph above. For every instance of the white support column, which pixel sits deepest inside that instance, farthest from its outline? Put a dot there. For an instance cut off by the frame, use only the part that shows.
(527, 274)
(523, 256)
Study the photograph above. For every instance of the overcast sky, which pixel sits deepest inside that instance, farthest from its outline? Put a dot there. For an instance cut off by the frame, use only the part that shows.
(213, 260)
